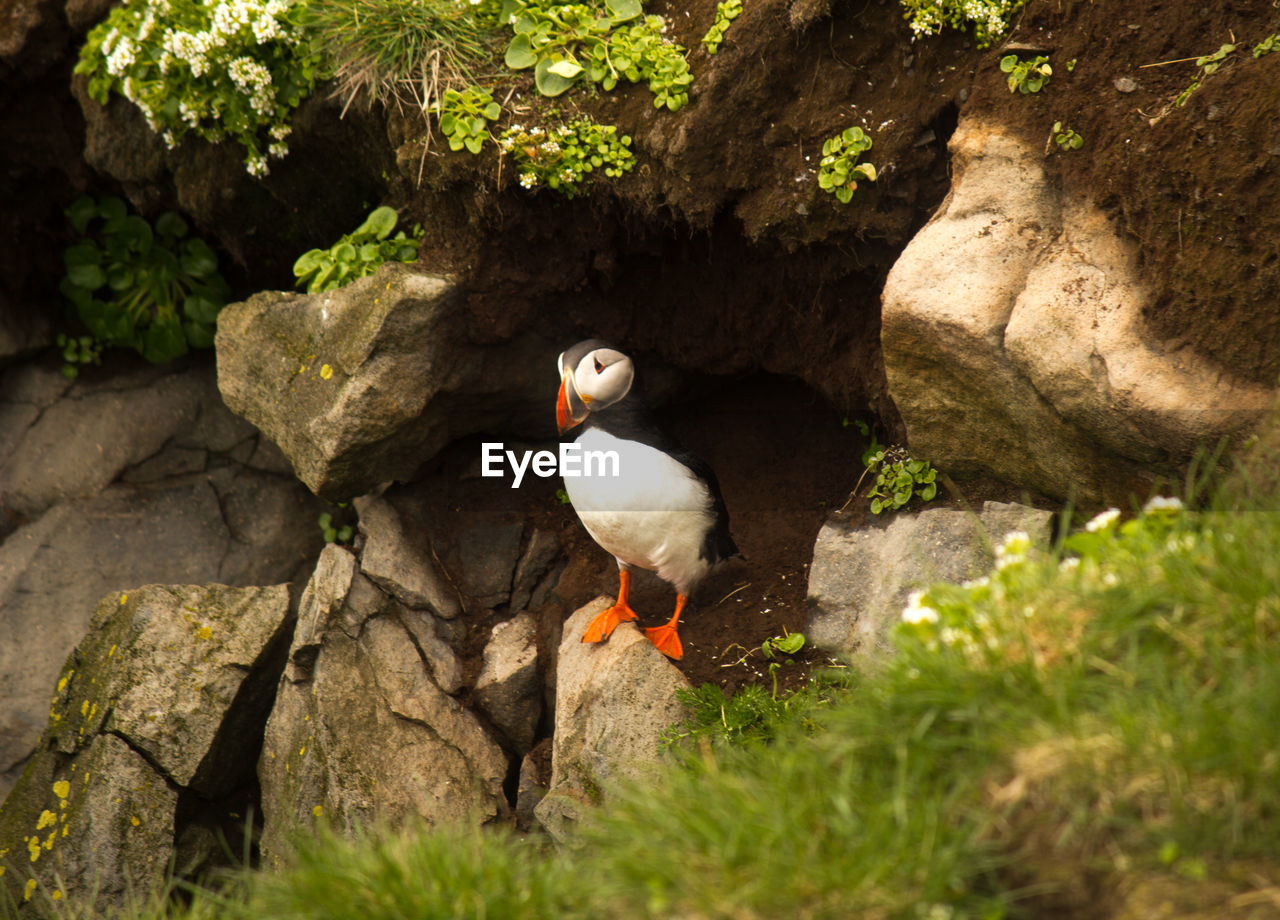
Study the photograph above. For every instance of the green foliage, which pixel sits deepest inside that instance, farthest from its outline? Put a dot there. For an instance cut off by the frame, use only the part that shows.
(839, 169)
(1208, 64)
(899, 478)
(465, 117)
(565, 157)
(563, 497)
(141, 287)
(568, 43)
(333, 532)
(84, 349)
(357, 254)
(1066, 138)
(1267, 45)
(1026, 76)
(224, 69)
(989, 19)
(407, 50)
(726, 12)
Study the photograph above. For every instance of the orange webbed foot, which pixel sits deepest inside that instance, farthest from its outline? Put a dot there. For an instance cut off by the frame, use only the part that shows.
(666, 641)
(605, 623)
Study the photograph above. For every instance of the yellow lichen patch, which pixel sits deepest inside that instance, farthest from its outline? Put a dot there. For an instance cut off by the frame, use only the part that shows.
(123, 598)
(302, 750)
(326, 372)
(84, 708)
(62, 684)
(62, 788)
(135, 821)
(111, 651)
(66, 829)
(33, 848)
(317, 811)
(48, 843)
(29, 890)
(93, 710)
(204, 632)
(57, 894)
(47, 819)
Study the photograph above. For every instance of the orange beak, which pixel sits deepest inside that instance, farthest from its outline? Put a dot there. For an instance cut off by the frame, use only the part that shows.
(571, 408)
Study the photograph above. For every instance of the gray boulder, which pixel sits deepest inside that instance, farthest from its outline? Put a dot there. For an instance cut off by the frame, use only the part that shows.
(361, 731)
(1028, 356)
(860, 578)
(362, 385)
(162, 701)
(613, 701)
(508, 689)
(195, 509)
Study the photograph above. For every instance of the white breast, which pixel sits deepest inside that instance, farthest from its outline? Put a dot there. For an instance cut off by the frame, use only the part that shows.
(654, 513)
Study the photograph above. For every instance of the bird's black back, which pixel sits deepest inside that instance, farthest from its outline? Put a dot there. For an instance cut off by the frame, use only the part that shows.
(630, 419)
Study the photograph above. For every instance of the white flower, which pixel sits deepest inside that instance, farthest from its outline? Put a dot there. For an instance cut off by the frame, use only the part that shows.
(1161, 503)
(1071, 563)
(278, 150)
(917, 611)
(1012, 549)
(257, 166)
(1103, 521)
(528, 180)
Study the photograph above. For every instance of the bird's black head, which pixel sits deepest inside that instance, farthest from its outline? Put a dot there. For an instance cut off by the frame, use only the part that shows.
(593, 376)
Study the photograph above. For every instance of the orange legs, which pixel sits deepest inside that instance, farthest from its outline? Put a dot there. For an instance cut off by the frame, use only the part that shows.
(664, 637)
(603, 625)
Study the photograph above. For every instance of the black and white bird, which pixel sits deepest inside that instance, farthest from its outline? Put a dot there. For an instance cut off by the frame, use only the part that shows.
(660, 509)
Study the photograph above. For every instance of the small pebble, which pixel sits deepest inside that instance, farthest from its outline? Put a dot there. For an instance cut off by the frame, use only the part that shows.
(1126, 84)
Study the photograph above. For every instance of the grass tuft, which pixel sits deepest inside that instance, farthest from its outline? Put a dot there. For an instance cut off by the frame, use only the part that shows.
(402, 50)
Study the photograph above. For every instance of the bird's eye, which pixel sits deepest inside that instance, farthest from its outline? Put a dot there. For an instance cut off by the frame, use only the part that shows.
(599, 366)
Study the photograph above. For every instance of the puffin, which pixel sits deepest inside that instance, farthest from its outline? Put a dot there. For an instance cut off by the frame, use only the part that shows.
(658, 508)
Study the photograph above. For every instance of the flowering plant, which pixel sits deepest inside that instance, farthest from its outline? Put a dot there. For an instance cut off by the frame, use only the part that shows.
(563, 157)
(221, 68)
(990, 18)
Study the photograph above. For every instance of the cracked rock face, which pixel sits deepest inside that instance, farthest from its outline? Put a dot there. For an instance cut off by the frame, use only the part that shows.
(159, 703)
(112, 488)
(362, 729)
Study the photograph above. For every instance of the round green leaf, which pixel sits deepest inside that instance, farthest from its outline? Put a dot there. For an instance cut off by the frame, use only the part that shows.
(381, 222)
(170, 224)
(566, 68)
(163, 341)
(492, 111)
(200, 309)
(548, 82)
(198, 259)
(307, 263)
(81, 211)
(520, 53)
(623, 10)
(89, 277)
(199, 335)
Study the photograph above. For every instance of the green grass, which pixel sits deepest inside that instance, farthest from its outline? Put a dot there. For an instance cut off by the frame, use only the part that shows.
(403, 50)
(1093, 738)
